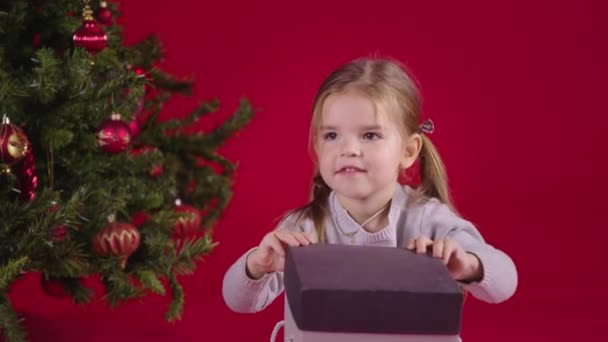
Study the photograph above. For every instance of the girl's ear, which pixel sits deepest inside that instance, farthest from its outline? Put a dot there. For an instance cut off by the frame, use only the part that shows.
(411, 150)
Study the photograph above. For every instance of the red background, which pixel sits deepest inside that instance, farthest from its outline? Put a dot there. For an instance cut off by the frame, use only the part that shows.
(517, 92)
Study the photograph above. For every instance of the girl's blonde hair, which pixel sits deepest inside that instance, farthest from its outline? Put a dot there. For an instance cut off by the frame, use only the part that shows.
(387, 84)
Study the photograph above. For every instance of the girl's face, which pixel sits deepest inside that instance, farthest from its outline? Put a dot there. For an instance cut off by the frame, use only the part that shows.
(360, 150)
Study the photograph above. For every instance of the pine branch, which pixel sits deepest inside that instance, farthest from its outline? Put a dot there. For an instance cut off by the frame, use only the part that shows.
(10, 323)
(204, 108)
(146, 52)
(77, 68)
(65, 259)
(150, 281)
(80, 293)
(176, 307)
(56, 138)
(189, 251)
(72, 286)
(3, 16)
(47, 76)
(10, 88)
(24, 227)
(200, 143)
(241, 117)
(12, 20)
(119, 288)
(11, 270)
(152, 255)
(170, 83)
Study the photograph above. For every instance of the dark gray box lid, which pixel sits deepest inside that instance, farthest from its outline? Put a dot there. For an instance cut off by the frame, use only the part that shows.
(341, 288)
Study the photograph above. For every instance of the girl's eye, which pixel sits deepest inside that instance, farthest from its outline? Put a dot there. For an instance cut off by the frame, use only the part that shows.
(330, 136)
(371, 136)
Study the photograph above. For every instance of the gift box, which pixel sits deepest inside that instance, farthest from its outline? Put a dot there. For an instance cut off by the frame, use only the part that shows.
(365, 293)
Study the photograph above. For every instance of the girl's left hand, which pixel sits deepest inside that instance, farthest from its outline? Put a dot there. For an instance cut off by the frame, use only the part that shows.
(463, 266)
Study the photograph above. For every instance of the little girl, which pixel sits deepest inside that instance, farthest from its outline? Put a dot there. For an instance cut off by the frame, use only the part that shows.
(365, 133)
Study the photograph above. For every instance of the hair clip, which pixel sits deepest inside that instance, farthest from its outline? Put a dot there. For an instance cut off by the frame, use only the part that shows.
(427, 127)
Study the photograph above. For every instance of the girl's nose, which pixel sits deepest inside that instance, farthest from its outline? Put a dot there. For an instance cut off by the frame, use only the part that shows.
(350, 148)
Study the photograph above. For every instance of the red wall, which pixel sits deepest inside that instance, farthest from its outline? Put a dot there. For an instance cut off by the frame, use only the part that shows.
(517, 92)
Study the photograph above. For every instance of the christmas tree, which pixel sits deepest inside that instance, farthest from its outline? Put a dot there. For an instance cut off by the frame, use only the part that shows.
(92, 182)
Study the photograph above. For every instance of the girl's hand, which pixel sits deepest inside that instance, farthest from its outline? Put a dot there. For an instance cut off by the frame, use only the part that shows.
(270, 255)
(463, 266)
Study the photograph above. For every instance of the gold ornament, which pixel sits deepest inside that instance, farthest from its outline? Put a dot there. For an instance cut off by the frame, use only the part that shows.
(13, 142)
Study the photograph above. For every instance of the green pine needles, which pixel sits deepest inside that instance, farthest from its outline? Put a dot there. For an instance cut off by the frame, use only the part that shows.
(59, 95)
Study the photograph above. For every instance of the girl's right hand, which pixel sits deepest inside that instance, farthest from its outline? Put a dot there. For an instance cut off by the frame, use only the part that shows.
(270, 255)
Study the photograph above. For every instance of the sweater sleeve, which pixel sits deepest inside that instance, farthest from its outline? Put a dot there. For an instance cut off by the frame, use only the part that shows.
(245, 295)
(499, 273)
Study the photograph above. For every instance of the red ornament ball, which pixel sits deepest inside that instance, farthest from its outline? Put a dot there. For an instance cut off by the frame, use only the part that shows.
(134, 128)
(118, 239)
(104, 15)
(156, 170)
(27, 177)
(139, 218)
(53, 287)
(139, 119)
(90, 36)
(141, 72)
(58, 233)
(113, 135)
(189, 222)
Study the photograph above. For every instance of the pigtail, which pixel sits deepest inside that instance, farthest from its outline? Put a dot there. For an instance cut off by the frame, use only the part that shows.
(434, 180)
(318, 204)
(317, 209)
